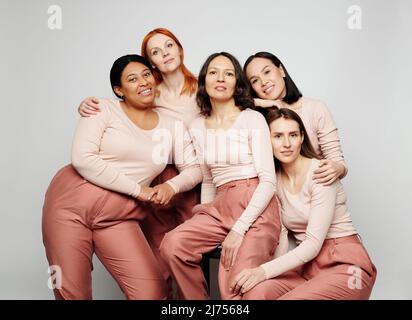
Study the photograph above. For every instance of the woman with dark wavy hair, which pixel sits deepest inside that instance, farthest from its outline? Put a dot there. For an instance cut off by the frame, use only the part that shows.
(239, 209)
(272, 85)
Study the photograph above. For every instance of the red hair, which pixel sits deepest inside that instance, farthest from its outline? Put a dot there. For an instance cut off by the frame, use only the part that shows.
(190, 84)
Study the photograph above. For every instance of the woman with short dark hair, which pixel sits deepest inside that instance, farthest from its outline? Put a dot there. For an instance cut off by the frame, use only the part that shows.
(97, 203)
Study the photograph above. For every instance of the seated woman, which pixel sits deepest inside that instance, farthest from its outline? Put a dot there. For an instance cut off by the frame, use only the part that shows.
(176, 97)
(329, 261)
(239, 209)
(95, 204)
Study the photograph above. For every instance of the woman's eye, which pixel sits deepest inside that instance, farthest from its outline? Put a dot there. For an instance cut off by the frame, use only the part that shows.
(132, 79)
(293, 135)
(253, 81)
(170, 45)
(230, 74)
(212, 72)
(267, 71)
(154, 52)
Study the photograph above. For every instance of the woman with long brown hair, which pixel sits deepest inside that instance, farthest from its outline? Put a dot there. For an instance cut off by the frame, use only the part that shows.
(329, 261)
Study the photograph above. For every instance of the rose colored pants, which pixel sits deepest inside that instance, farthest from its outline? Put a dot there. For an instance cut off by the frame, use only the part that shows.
(80, 218)
(341, 271)
(163, 219)
(183, 247)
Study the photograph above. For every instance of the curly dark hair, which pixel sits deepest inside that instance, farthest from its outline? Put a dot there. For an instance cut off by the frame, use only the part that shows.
(242, 95)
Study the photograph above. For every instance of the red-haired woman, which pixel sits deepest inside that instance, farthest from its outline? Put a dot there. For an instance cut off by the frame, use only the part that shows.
(176, 97)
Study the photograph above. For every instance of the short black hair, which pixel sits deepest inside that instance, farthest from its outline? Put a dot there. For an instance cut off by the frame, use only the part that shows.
(242, 95)
(120, 64)
(292, 92)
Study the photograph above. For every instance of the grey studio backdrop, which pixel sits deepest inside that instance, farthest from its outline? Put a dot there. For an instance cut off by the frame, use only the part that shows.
(363, 74)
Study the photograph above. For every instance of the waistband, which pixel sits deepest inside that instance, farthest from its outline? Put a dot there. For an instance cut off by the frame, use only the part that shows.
(351, 238)
(234, 183)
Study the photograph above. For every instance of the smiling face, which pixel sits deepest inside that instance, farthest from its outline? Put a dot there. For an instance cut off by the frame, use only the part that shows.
(164, 53)
(286, 139)
(266, 79)
(220, 81)
(137, 85)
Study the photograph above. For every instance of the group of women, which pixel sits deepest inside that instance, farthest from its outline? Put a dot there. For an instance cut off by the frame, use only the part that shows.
(178, 165)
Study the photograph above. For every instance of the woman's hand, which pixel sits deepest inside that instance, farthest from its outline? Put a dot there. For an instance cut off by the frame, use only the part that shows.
(230, 247)
(146, 194)
(328, 171)
(164, 193)
(247, 279)
(89, 107)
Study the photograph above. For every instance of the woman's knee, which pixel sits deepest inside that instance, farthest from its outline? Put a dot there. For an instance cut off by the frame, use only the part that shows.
(171, 245)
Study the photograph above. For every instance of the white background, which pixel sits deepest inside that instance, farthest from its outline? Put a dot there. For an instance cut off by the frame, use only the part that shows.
(364, 76)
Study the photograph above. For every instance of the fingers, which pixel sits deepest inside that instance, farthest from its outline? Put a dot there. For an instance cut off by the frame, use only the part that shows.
(329, 182)
(233, 257)
(95, 100)
(224, 256)
(322, 175)
(238, 282)
(325, 179)
(323, 162)
(249, 284)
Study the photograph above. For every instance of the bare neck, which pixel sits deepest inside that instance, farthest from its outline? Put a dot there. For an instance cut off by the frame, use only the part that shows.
(297, 169)
(172, 83)
(223, 110)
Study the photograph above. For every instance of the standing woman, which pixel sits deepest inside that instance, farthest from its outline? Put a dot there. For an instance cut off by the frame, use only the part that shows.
(175, 96)
(239, 208)
(329, 261)
(95, 204)
(272, 85)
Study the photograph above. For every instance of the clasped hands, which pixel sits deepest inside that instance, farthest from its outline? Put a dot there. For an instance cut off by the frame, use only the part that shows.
(160, 194)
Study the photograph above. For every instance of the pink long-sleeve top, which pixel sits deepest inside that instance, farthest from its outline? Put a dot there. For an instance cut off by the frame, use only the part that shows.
(110, 151)
(240, 152)
(187, 110)
(312, 215)
(322, 130)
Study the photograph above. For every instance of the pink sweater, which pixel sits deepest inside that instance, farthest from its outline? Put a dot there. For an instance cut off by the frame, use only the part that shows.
(314, 214)
(240, 152)
(110, 151)
(322, 130)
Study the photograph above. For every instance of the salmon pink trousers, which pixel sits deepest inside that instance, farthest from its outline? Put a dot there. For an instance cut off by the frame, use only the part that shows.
(183, 247)
(342, 270)
(80, 218)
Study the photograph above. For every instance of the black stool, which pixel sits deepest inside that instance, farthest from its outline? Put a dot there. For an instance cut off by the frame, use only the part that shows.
(214, 254)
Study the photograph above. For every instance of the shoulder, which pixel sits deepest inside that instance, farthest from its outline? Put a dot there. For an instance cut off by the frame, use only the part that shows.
(314, 103)
(108, 105)
(318, 188)
(250, 115)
